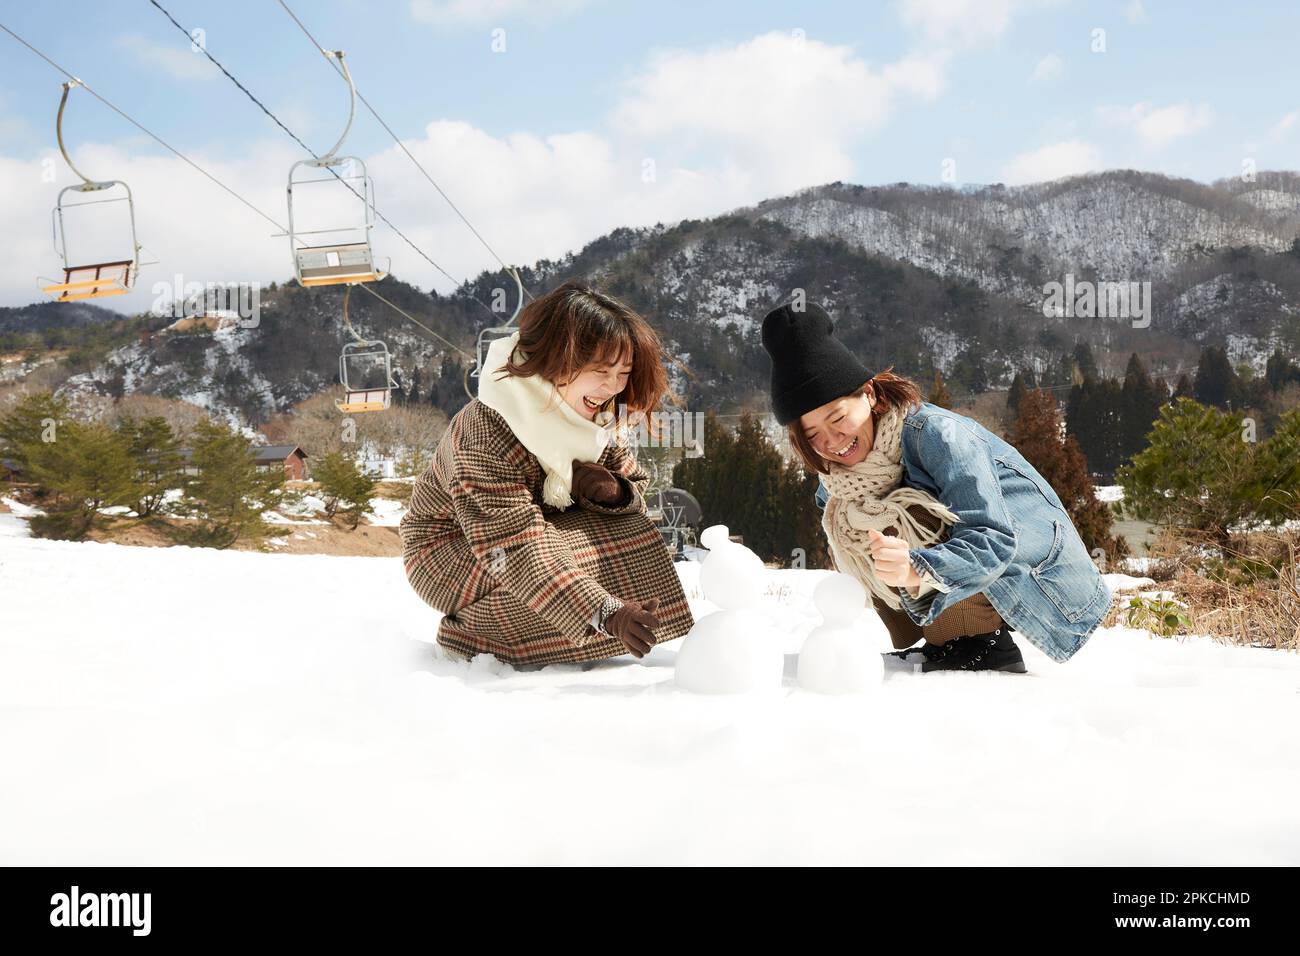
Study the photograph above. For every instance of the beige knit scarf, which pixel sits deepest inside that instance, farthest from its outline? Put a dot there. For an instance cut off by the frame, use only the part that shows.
(870, 496)
(543, 421)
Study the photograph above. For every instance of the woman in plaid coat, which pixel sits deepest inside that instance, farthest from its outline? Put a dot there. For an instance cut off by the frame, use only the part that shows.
(529, 531)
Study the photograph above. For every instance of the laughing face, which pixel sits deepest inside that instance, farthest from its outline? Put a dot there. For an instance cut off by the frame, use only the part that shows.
(596, 384)
(842, 431)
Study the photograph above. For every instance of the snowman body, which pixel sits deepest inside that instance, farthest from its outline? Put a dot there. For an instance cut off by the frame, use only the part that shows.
(732, 650)
(839, 656)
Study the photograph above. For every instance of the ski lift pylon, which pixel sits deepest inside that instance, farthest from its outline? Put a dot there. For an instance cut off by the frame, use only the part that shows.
(93, 280)
(348, 256)
(489, 335)
(358, 396)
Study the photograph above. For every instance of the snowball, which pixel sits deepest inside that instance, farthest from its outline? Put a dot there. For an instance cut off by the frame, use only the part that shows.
(715, 536)
(734, 650)
(839, 598)
(729, 580)
(840, 656)
(731, 576)
(730, 652)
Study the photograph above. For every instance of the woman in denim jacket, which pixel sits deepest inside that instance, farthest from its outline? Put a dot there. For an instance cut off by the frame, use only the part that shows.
(946, 524)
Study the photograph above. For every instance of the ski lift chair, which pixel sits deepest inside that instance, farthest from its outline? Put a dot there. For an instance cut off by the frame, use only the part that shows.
(357, 396)
(335, 262)
(677, 512)
(489, 335)
(95, 279)
(360, 395)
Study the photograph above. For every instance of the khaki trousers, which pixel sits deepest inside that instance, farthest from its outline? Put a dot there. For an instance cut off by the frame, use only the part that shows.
(974, 615)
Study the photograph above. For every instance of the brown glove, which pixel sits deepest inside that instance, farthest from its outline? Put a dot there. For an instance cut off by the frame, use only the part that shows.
(597, 483)
(633, 624)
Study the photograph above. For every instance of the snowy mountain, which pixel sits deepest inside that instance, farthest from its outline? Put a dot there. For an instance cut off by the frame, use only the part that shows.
(249, 371)
(1120, 225)
(307, 724)
(50, 315)
(921, 278)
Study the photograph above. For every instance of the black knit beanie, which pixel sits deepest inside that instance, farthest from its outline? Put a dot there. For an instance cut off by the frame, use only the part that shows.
(810, 367)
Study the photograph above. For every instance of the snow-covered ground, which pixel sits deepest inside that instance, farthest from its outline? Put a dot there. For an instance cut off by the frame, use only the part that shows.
(1109, 493)
(183, 706)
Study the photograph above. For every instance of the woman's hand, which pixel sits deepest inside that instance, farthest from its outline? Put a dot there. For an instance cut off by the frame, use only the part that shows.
(634, 625)
(893, 566)
(597, 483)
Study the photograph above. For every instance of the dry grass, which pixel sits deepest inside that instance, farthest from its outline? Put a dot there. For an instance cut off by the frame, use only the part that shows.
(1252, 599)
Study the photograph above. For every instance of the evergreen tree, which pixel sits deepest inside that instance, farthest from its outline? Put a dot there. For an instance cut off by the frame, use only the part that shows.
(1216, 380)
(705, 477)
(156, 454)
(1018, 388)
(1280, 371)
(1275, 482)
(1036, 434)
(1084, 361)
(743, 482)
(756, 489)
(346, 491)
(801, 519)
(1195, 473)
(1140, 403)
(1068, 372)
(1183, 389)
(32, 422)
(1093, 416)
(230, 493)
(448, 392)
(417, 380)
(970, 372)
(87, 467)
(939, 392)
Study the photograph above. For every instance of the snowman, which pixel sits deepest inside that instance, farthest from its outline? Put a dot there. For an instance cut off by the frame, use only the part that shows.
(838, 657)
(732, 650)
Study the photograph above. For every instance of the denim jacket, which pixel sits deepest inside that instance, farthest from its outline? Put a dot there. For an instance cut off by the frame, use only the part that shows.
(1014, 540)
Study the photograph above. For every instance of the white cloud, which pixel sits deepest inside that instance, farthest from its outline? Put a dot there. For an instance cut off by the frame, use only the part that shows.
(780, 109)
(1284, 126)
(725, 127)
(465, 13)
(177, 60)
(1136, 12)
(530, 196)
(962, 23)
(1067, 158)
(184, 220)
(1157, 127)
(1050, 67)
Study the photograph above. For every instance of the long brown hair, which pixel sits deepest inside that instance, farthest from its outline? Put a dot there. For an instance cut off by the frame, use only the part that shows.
(574, 325)
(892, 391)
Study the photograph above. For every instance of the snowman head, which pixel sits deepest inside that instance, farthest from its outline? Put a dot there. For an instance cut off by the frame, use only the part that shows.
(839, 598)
(732, 575)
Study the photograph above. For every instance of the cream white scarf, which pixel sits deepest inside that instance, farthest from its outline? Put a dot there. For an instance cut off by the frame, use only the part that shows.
(543, 421)
(870, 496)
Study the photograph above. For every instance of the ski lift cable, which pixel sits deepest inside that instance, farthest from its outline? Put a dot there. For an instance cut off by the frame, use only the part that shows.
(292, 135)
(140, 126)
(401, 145)
(413, 319)
(347, 321)
(158, 139)
(68, 87)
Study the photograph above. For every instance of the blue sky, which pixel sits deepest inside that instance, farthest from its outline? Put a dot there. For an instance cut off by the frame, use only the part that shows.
(546, 144)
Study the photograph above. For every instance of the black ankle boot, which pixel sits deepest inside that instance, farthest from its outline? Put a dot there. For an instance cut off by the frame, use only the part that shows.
(994, 651)
(925, 651)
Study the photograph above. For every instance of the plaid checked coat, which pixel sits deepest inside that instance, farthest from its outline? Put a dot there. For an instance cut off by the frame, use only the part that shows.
(515, 577)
